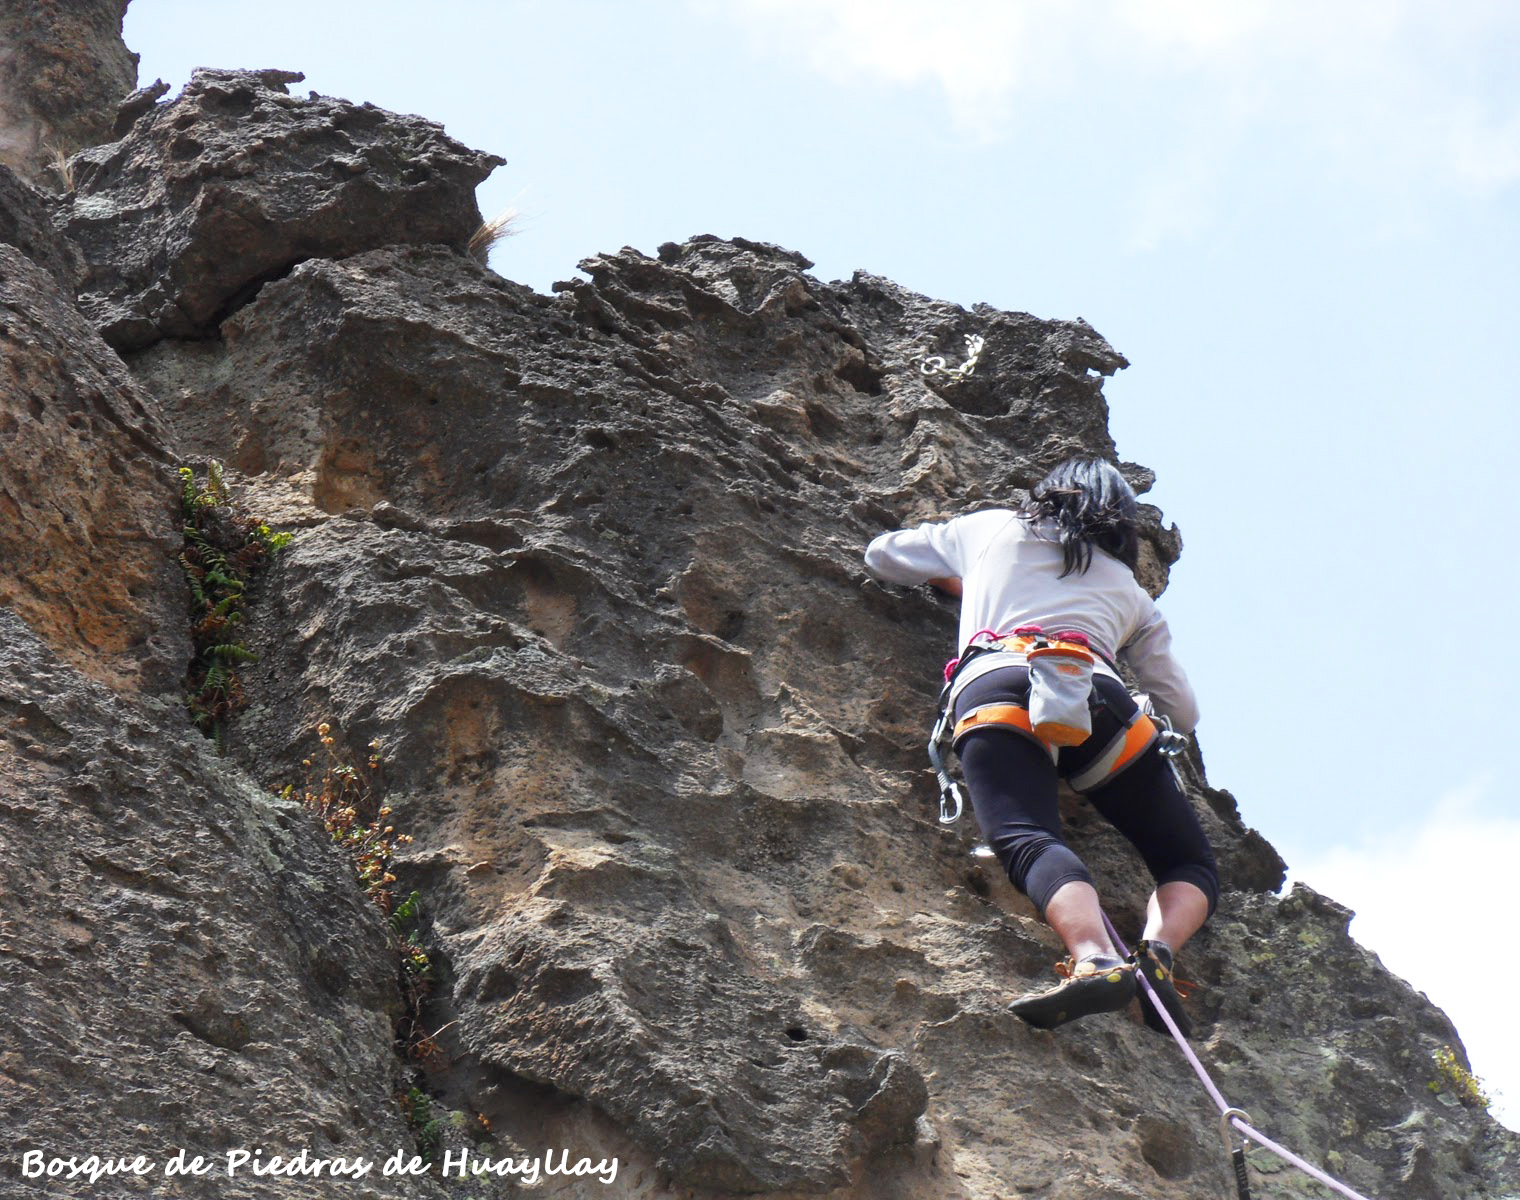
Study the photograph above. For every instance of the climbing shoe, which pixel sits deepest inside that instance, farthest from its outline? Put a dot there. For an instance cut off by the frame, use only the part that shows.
(1097, 984)
(1154, 961)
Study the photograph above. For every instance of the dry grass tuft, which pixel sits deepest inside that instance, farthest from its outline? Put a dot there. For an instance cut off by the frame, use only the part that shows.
(61, 167)
(490, 232)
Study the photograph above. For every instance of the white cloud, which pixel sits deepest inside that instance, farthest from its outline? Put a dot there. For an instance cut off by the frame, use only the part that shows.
(1436, 904)
(1385, 96)
(1202, 29)
(970, 50)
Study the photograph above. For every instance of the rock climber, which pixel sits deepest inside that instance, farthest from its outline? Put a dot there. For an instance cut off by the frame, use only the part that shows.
(1063, 563)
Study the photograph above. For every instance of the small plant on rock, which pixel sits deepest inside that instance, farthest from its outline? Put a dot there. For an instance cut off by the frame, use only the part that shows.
(427, 1128)
(345, 797)
(1458, 1080)
(490, 233)
(222, 552)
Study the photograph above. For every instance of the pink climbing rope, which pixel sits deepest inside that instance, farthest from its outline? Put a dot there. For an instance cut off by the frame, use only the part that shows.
(1225, 1108)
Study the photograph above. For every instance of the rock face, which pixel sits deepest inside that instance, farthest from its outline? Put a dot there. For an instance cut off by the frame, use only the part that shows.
(141, 1014)
(87, 535)
(587, 568)
(63, 68)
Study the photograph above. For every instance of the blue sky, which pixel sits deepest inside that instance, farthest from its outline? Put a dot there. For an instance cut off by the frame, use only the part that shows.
(1296, 218)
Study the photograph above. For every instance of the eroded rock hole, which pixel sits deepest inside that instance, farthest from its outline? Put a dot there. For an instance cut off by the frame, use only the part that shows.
(1167, 1148)
(860, 375)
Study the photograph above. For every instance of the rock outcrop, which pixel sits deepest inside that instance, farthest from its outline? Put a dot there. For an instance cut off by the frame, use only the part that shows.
(208, 197)
(63, 68)
(586, 568)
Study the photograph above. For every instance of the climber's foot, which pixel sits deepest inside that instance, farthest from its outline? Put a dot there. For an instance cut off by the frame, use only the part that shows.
(1154, 960)
(1097, 984)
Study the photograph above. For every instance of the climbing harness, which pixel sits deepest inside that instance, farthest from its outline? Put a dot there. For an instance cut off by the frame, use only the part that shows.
(1127, 745)
(1230, 1117)
(935, 364)
(1066, 714)
(1060, 686)
(952, 801)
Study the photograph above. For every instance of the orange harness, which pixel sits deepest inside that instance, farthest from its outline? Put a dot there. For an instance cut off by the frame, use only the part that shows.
(1139, 734)
(1126, 746)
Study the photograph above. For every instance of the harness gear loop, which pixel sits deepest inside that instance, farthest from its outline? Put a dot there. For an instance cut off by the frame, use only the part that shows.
(1237, 1153)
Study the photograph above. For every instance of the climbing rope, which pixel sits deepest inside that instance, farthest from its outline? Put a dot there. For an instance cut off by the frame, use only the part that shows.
(935, 365)
(1229, 1117)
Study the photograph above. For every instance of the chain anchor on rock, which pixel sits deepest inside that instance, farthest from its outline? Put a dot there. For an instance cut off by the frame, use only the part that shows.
(935, 364)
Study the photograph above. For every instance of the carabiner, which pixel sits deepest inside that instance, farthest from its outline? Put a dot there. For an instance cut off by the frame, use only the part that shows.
(1171, 743)
(1236, 1153)
(949, 795)
(1226, 1131)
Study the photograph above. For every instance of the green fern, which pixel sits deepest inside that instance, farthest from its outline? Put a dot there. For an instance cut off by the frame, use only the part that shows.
(231, 652)
(406, 912)
(189, 494)
(216, 681)
(222, 550)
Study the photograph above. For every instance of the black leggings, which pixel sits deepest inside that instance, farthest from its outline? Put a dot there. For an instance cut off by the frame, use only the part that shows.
(1013, 785)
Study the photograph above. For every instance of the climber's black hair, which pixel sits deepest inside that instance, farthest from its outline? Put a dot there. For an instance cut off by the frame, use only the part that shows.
(1090, 505)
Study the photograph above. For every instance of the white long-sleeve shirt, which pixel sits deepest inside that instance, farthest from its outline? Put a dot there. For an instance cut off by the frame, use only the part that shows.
(1010, 576)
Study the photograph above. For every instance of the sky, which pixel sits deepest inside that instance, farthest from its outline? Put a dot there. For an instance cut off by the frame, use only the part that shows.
(1296, 218)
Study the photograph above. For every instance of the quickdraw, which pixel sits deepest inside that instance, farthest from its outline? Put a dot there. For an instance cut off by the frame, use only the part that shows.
(1229, 1118)
(951, 799)
(1236, 1151)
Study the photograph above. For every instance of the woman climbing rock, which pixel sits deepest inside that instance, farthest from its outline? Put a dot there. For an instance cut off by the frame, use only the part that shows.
(1049, 591)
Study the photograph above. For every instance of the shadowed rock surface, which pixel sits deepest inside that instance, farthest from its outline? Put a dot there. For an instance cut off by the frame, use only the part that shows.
(587, 566)
(26, 222)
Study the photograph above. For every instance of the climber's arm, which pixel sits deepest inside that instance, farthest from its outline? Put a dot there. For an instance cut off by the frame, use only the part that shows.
(1149, 656)
(915, 556)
